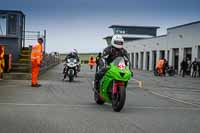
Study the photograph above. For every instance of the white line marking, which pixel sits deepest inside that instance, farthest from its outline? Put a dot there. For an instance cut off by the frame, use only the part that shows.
(140, 82)
(95, 106)
(177, 100)
(164, 108)
(27, 104)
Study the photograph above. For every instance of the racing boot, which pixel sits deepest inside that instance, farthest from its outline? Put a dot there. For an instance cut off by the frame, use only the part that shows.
(96, 85)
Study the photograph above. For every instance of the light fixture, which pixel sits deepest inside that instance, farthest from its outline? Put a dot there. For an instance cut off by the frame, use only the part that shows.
(180, 36)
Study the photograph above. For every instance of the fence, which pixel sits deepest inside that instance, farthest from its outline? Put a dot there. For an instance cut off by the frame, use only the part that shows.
(49, 61)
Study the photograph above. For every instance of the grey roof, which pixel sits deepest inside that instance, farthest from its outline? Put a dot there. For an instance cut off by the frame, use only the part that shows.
(107, 37)
(128, 37)
(123, 37)
(126, 26)
(183, 25)
(11, 11)
(153, 37)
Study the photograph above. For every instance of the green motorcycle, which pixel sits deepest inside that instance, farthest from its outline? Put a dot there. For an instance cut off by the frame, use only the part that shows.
(113, 84)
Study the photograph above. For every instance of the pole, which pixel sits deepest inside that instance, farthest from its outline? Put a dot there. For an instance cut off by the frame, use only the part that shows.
(45, 34)
(23, 32)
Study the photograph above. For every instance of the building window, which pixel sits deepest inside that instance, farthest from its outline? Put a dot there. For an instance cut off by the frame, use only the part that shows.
(120, 31)
(3, 24)
(180, 36)
(12, 24)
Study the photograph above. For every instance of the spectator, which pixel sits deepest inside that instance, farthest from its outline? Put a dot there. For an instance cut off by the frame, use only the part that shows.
(159, 67)
(188, 66)
(199, 68)
(194, 67)
(91, 62)
(2, 63)
(184, 66)
(97, 61)
(165, 67)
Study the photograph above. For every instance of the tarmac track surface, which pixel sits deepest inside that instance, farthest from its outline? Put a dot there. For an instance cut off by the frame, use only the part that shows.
(63, 107)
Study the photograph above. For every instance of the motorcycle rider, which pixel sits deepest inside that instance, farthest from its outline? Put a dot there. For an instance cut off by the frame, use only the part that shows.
(72, 54)
(109, 54)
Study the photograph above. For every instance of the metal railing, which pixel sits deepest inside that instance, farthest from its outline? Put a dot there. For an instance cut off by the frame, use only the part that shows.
(49, 61)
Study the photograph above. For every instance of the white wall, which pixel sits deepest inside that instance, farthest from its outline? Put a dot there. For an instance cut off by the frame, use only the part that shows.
(182, 37)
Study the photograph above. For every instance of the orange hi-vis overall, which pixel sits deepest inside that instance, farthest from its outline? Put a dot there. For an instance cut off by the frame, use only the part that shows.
(2, 63)
(91, 61)
(36, 59)
(159, 66)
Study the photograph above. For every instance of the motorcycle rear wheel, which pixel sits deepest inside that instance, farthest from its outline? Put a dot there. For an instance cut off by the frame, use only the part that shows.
(98, 99)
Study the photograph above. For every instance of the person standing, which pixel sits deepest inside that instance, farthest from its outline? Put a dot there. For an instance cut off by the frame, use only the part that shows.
(188, 66)
(98, 61)
(2, 62)
(91, 62)
(36, 60)
(199, 68)
(159, 66)
(184, 66)
(194, 66)
(165, 67)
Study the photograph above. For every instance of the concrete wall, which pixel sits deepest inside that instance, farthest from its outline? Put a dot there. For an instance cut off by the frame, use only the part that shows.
(177, 38)
(185, 37)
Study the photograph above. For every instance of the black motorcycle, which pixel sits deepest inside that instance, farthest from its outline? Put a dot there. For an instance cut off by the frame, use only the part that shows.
(169, 70)
(71, 69)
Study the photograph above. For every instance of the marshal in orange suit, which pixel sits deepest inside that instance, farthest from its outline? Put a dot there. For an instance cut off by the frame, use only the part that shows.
(36, 60)
(2, 63)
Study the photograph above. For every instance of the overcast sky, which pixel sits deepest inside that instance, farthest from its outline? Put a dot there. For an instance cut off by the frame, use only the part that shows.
(82, 24)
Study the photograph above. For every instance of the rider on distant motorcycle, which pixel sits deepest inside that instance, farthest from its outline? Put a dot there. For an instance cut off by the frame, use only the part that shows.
(72, 54)
(109, 54)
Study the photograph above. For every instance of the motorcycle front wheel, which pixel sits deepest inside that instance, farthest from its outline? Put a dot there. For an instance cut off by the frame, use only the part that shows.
(118, 99)
(71, 78)
(71, 75)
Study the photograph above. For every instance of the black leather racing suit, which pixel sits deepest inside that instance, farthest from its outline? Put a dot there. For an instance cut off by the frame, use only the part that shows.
(72, 55)
(109, 54)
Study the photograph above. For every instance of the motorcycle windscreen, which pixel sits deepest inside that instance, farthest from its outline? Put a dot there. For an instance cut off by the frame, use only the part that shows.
(119, 69)
(120, 62)
(72, 60)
